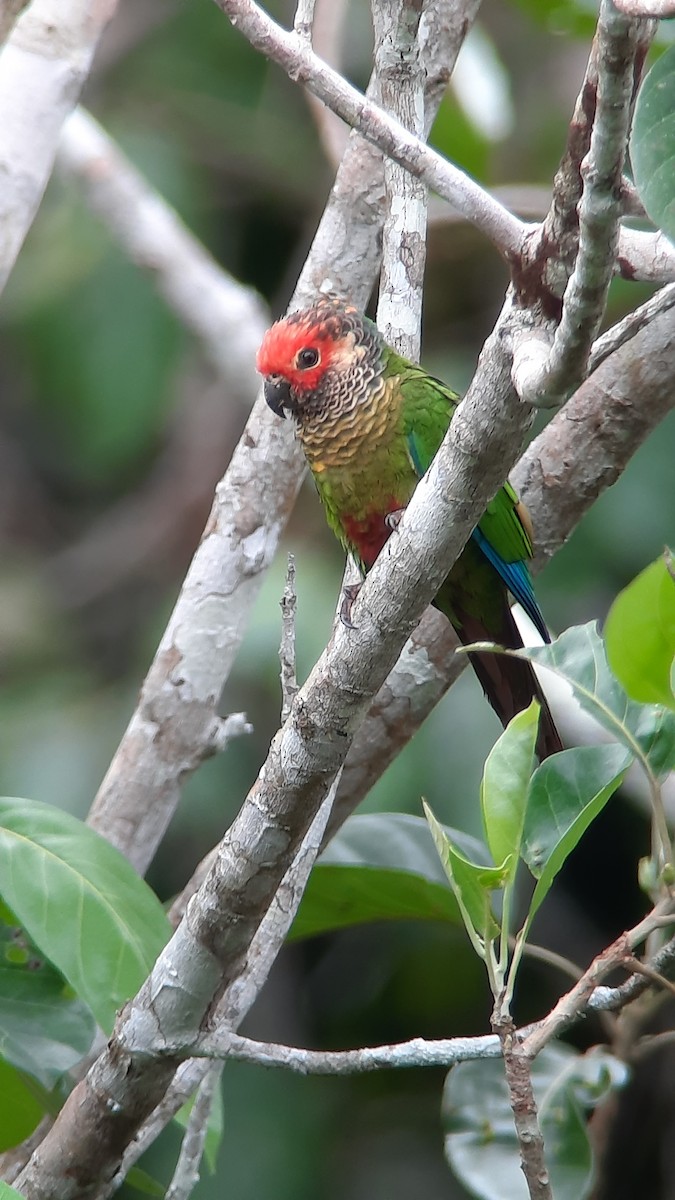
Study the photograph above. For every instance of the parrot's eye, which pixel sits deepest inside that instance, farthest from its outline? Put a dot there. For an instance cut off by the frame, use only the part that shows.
(307, 358)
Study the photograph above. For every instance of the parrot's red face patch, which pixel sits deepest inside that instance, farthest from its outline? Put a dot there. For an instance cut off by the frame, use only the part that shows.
(301, 351)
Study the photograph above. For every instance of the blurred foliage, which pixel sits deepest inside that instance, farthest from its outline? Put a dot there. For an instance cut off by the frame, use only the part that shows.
(110, 445)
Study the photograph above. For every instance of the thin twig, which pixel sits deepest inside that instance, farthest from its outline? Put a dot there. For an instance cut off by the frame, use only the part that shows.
(639, 968)
(568, 1007)
(327, 41)
(418, 1052)
(186, 1174)
(223, 1043)
(289, 679)
(518, 1070)
(651, 1042)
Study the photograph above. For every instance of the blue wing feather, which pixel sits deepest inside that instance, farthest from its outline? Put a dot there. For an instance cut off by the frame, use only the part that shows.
(516, 576)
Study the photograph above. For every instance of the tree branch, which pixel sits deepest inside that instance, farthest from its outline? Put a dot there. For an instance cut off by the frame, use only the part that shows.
(239, 997)
(227, 318)
(43, 67)
(285, 48)
(544, 376)
(186, 1174)
(222, 1043)
(400, 75)
(620, 952)
(208, 951)
(574, 460)
(10, 11)
(646, 8)
(169, 733)
(645, 256)
(517, 1068)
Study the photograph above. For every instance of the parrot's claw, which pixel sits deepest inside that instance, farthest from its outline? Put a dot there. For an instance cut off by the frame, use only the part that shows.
(349, 593)
(393, 518)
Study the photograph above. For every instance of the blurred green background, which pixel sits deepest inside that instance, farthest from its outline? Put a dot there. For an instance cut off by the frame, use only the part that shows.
(113, 433)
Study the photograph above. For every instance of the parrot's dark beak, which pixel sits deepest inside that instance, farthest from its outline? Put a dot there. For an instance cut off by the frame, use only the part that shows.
(277, 394)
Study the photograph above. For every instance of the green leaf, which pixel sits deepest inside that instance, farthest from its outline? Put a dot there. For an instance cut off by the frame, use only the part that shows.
(640, 635)
(80, 902)
(652, 143)
(379, 867)
(561, 16)
(472, 884)
(141, 1182)
(566, 794)
(8, 1193)
(44, 1029)
(20, 1111)
(215, 1126)
(481, 1144)
(503, 791)
(579, 657)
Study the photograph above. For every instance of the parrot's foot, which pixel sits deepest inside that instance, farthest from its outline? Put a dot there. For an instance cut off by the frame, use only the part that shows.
(349, 593)
(393, 518)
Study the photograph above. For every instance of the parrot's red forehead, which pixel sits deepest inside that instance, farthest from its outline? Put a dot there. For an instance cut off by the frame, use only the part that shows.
(321, 329)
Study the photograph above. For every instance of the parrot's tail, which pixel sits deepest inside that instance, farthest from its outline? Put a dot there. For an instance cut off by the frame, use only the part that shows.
(510, 684)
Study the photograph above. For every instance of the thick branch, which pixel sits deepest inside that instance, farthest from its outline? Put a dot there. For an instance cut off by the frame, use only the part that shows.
(400, 74)
(208, 951)
(546, 377)
(237, 1000)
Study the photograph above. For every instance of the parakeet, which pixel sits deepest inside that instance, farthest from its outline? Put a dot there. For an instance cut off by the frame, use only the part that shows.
(370, 422)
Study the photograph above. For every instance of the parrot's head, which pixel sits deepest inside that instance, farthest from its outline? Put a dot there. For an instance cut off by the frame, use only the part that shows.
(312, 359)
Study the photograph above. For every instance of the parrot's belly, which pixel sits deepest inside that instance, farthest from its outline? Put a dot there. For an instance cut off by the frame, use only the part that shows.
(369, 533)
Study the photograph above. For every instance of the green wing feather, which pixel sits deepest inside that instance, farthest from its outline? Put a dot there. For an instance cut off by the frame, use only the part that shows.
(503, 533)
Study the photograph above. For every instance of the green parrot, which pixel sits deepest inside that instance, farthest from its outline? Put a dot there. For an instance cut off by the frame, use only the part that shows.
(370, 422)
